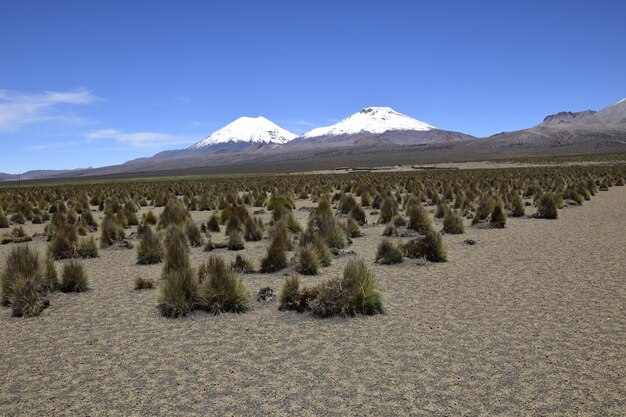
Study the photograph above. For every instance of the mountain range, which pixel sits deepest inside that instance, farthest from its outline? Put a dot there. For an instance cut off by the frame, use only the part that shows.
(372, 136)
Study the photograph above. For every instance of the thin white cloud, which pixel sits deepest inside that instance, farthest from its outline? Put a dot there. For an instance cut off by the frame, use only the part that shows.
(20, 108)
(56, 145)
(139, 139)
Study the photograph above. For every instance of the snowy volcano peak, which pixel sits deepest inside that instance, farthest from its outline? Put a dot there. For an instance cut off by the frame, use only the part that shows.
(248, 129)
(372, 120)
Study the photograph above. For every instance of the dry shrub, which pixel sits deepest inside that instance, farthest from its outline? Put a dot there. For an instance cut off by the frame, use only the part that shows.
(419, 220)
(221, 290)
(150, 249)
(242, 265)
(430, 247)
(389, 253)
(547, 206)
(110, 232)
(174, 213)
(176, 249)
(453, 222)
(308, 262)
(87, 248)
(74, 277)
(177, 292)
(143, 283)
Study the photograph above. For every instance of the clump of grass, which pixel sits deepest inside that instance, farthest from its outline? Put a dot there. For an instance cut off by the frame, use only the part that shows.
(174, 213)
(308, 261)
(453, 222)
(143, 283)
(497, 218)
(50, 276)
(357, 293)
(87, 248)
(149, 218)
(222, 290)
(322, 221)
(194, 235)
(390, 230)
(518, 209)
(419, 220)
(176, 249)
(177, 292)
(351, 228)
(389, 253)
(64, 242)
(484, 209)
(150, 249)
(213, 224)
(242, 265)
(22, 283)
(110, 232)
(276, 258)
(235, 241)
(74, 277)
(430, 247)
(28, 299)
(547, 206)
(4, 221)
(294, 298)
(253, 229)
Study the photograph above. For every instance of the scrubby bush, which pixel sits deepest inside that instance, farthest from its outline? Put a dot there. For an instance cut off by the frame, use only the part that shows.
(453, 222)
(235, 241)
(22, 283)
(194, 235)
(390, 230)
(430, 247)
(143, 283)
(517, 206)
(497, 218)
(177, 292)
(110, 231)
(174, 213)
(389, 253)
(308, 262)
(351, 228)
(213, 224)
(64, 243)
(149, 218)
(357, 293)
(253, 229)
(547, 206)
(276, 258)
(176, 249)
(150, 249)
(419, 220)
(242, 265)
(484, 209)
(292, 297)
(4, 221)
(222, 290)
(74, 277)
(87, 248)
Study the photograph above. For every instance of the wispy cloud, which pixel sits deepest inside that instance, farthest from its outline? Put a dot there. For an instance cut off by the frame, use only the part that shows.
(142, 140)
(56, 145)
(20, 108)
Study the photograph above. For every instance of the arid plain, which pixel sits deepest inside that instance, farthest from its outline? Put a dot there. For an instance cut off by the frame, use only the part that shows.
(530, 320)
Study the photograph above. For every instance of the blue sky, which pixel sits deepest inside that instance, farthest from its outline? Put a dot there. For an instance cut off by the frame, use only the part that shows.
(86, 83)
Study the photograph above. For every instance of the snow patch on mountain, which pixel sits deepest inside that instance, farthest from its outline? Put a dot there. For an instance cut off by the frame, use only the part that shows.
(372, 120)
(248, 129)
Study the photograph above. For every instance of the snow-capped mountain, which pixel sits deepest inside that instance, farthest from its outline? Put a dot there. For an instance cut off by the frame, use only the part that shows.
(248, 130)
(371, 120)
(376, 126)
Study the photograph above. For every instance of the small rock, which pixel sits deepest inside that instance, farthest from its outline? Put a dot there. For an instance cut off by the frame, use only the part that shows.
(470, 242)
(265, 294)
(261, 211)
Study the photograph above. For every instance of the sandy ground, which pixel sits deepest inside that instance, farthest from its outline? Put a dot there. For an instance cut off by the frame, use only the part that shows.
(529, 321)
